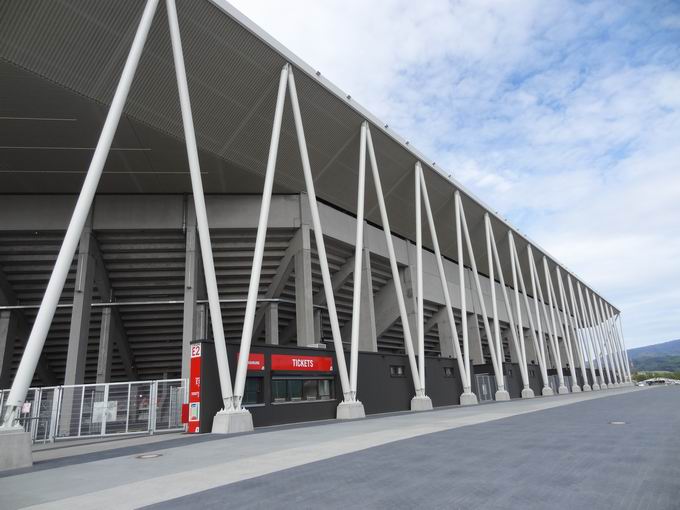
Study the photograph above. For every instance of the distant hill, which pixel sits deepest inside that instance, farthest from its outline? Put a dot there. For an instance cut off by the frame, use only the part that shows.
(663, 356)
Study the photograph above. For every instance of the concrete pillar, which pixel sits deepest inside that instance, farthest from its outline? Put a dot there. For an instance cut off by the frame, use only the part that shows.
(408, 284)
(304, 305)
(318, 325)
(194, 287)
(368, 340)
(8, 334)
(445, 337)
(532, 355)
(475, 340)
(507, 340)
(105, 347)
(80, 314)
(271, 324)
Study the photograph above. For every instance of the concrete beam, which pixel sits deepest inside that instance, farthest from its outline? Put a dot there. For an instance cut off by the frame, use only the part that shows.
(338, 279)
(116, 328)
(279, 281)
(79, 334)
(368, 341)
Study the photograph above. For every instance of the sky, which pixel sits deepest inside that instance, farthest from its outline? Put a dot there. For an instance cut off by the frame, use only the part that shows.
(564, 116)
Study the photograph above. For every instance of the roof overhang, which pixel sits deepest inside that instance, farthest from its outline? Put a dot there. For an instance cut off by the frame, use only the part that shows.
(60, 63)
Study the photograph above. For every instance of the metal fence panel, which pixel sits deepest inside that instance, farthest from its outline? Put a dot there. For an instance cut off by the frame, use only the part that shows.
(89, 410)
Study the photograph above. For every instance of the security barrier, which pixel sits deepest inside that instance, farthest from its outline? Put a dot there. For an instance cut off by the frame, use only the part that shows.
(96, 410)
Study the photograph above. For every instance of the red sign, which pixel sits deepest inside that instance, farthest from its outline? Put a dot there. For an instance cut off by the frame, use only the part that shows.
(194, 390)
(255, 361)
(302, 363)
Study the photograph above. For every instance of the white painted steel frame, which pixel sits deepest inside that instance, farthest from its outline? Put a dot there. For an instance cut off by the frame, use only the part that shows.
(518, 344)
(462, 367)
(610, 342)
(538, 348)
(566, 331)
(48, 306)
(622, 343)
(201, 212)
(461, 225)
(540, 303)
(615, 345)
(408, 341)
(582, 348)
(287, 80)
(358, 248)
(597, 335)
(420, 333)
(590, 337)
(555, 337)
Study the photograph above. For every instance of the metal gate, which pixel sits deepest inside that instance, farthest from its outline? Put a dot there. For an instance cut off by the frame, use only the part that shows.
(486, 387)
(88, 410)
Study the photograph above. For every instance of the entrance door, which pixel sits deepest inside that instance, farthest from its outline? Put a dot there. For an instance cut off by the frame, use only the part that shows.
(486, 387)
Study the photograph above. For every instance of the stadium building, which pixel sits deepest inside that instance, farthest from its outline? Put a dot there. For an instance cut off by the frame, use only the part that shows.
(183, 199)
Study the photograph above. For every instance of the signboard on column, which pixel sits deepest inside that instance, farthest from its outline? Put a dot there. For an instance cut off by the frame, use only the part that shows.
(194, 418)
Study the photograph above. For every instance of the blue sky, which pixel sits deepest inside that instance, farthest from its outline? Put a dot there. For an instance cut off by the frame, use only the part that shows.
(562, 115)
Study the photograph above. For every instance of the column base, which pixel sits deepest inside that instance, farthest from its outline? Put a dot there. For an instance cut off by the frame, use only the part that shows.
(527, 393)
(468, 399)
(604, 386)
(15, 449)
(563, 390)
(421, 403)
(232, 422)
(586, 387)
(502, 395)
(350, 411)
(547, 391)
(595, 387)
(575, 389)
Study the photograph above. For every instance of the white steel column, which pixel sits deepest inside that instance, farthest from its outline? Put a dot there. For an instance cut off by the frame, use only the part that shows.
(598, 339)
(492, 254)
(580, 345)
(419, 282)
(496, 359)
(358, 258)
(199, 204)
(420, 401)
(566, 331)
(556, 341)
(612, 340)
(320, 245)
(613, 360)
(589, 336)
(538, 349)
(43, 320)
(467, 398)
(253, 287)
(622, 344)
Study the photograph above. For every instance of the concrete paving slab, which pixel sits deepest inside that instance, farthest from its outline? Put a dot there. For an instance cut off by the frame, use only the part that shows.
(129, 482)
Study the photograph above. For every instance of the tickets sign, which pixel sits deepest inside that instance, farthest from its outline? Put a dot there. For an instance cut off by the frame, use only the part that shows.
(297, 363)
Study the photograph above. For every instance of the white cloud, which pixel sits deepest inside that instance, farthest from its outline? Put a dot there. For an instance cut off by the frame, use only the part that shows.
(564, 116)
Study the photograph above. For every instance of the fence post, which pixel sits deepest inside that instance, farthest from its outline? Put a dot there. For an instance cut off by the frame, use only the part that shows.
(106, 400)
(152, 406)
(56, 404)
(127, 414)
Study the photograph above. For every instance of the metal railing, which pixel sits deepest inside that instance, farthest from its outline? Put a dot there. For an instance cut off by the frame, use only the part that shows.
(96, 410)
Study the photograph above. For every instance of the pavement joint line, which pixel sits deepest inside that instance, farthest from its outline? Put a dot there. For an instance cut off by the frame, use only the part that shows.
(387, 430)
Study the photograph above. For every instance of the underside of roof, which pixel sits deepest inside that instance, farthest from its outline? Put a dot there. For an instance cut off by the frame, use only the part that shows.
(59, 66)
